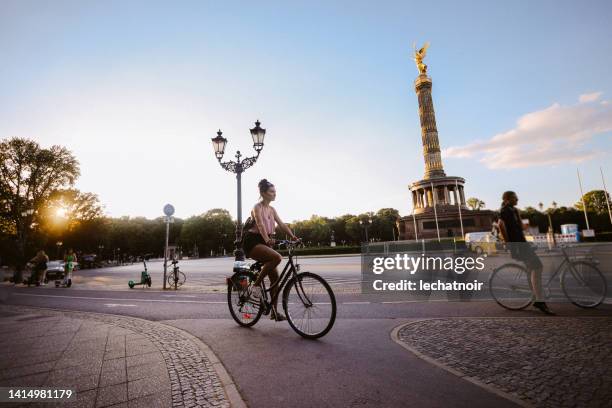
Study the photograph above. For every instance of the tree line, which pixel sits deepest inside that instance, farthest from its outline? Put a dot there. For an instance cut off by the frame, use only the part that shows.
(41, 209)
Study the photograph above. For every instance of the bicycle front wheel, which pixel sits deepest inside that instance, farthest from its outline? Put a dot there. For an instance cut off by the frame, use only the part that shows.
(310, 305)
(510, 286)
(583, 284)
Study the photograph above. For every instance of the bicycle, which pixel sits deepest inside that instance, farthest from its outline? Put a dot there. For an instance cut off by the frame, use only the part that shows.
(308, 300)
(582, 283)
(176, 278)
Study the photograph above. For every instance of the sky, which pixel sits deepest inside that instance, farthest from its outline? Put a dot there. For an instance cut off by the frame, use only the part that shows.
(136, 90)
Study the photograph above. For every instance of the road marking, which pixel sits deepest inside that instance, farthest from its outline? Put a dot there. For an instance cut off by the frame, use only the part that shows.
(130, 300)
(204, 302)
(118, 305)
(187, 296)
(415, 301)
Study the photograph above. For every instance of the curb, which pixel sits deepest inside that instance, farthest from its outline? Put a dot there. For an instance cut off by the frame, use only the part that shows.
(229, 387)
(395, 337)
(231, 391)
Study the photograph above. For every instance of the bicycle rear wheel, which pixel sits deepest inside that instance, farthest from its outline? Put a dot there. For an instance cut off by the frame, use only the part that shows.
(510, 286)
(244, 310)
(310, 305)
(583, 284)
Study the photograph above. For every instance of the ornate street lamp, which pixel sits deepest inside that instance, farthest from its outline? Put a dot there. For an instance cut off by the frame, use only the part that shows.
(238, 167)
(366, 224)
(59, 246)
(551, 231)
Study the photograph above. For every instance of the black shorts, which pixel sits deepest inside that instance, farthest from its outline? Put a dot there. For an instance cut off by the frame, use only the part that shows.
(250, 240)
(524, 252)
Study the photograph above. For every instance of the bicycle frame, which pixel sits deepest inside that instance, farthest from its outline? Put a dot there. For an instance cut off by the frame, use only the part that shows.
(566, 260)
(289, 271)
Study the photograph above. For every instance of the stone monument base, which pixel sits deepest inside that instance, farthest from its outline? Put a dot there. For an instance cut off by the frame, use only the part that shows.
(448, 223)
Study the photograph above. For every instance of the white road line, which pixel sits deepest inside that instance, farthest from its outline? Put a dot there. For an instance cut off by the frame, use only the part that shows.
(187, 296)
(118, 305)
(415, 301)
(130, 300)
(356, 303)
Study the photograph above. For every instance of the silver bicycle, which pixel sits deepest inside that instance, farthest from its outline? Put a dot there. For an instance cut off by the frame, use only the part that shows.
(582, 283)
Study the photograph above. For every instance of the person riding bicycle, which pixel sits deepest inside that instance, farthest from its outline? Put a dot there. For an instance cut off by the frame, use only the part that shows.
(258, 241)
(511, 228)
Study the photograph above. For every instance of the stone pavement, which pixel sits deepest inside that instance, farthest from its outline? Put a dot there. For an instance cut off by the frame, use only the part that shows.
(544, 362)
(110, 360)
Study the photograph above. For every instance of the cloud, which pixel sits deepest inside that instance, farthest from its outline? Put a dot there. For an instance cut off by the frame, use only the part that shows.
(590, 97)
(554, 135)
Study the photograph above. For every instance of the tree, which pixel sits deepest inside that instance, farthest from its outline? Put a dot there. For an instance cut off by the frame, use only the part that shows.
(70, 207)
(387, 223)
(212, 231)
(73, 217)
(29, 175)
(595, 201)
(475, 203)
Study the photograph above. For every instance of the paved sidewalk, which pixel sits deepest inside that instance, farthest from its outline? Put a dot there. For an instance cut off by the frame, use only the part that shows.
(110, 360)
(543, 362)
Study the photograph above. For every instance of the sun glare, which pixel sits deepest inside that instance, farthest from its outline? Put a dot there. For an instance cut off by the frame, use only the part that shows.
(61, 212)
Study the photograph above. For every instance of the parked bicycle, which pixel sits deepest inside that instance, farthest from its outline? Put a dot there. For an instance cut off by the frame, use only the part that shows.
(308, 300)
(582, 283)
(176, 278)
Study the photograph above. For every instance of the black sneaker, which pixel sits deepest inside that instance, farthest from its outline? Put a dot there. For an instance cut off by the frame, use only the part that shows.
(543, 308)
(276, 316)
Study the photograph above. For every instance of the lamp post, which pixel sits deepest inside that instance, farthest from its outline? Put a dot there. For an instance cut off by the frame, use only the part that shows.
(551, 231)
(168, 212)
(366, 224)
(23, 226)
(59, 247)
(238, 167)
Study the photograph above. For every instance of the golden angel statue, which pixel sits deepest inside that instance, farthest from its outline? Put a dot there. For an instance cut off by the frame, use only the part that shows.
(418, 57)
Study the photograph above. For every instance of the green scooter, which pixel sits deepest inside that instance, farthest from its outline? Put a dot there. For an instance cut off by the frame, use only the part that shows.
(145, 278)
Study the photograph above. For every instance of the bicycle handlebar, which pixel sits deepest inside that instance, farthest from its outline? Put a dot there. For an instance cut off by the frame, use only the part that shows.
(287, 242)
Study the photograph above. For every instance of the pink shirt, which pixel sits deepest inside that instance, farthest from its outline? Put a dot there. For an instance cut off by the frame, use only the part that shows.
(267, 213)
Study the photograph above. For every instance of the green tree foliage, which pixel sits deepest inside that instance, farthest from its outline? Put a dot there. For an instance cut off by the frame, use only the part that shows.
(29, 175)
(595, 201)
(387, 224)
(212, 231)
(600, 222)
(74, 218)
(475, 203)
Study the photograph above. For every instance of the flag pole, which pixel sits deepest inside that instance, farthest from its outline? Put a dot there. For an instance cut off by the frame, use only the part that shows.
(582, 199)
(603, 180)
(433, 193)
(459, 206)
(416, 234)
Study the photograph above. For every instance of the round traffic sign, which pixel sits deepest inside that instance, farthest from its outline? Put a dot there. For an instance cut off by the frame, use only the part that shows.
(168, 210)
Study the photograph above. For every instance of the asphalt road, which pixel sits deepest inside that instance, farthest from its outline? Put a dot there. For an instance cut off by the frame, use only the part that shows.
(208, 274)
(355, 365)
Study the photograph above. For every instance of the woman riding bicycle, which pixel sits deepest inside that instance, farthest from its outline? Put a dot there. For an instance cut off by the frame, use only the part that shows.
(258, 242)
